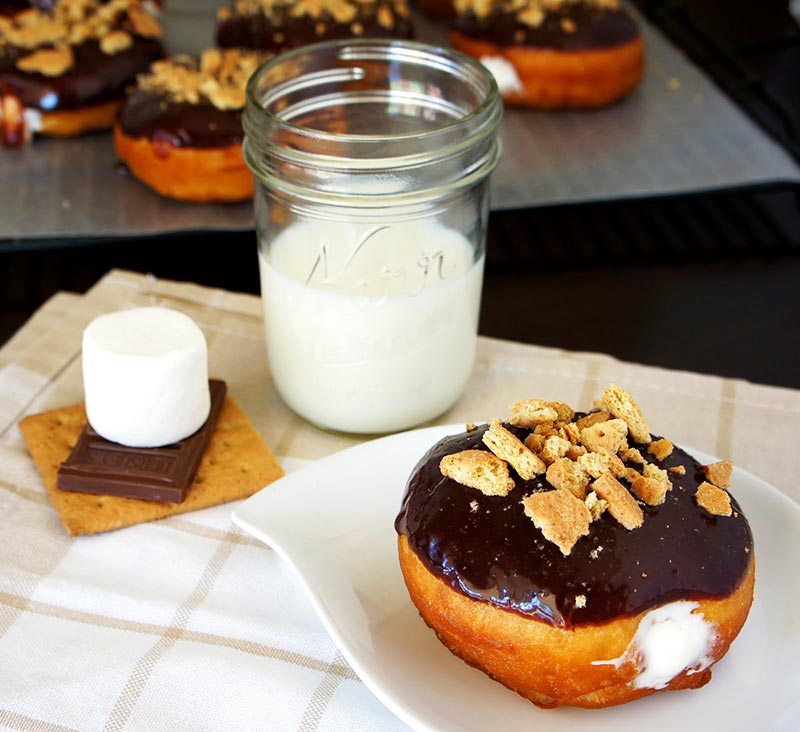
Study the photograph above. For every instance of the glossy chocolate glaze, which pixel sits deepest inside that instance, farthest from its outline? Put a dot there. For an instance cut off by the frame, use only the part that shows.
(595, 29)
(496, 554)
(283, 32)
(95, 77)
(146, 114)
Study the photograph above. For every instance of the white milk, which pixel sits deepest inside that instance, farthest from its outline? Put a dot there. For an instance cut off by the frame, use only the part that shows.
(370, 328)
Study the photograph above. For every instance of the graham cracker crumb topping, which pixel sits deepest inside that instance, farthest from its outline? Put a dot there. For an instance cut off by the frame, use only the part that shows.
(660, 449)
(621, 504)
(651, 491)
(561, 517)
(343, 12)
(719, 473)
(480, 470)
(533, 13)
(507, 447)
(587, 461)
(47, 61)
(716, 501)
(531, 412)
(595, 505)
(219, 77)
(568, 475)
(621, 404)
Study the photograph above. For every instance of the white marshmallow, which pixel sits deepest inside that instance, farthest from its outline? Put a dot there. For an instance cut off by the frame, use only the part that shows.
(669, 640)
(504, 73)
(145, 376)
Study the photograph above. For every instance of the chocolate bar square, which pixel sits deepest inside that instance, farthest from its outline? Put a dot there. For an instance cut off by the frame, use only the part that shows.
(165, 474)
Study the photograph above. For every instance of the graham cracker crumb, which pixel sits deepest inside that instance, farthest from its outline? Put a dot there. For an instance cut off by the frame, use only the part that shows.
(611, 436)
(545, 429)
(478, 469)
(622, 405)
(473, 506)
(115, 42)
(719, 473)
(602, 462)
(571, 432)
(660, 448)
(507, 447)
(621, 504)
(631, 474)
(632, 455)
(580, 601)
(568, 475)
(385, 17)
(649, 490)
(595, 505)
(143, 23)
(532, 16)
(531, 412)
(555, 447)
(575, 451)
(593, 418)
(560, 516)
(534, 442)
(564, 411)
(655, 473)
(47, 61)
(677, 469)
(716, 501)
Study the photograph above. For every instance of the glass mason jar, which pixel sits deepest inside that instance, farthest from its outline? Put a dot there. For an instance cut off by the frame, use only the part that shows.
(371, 160)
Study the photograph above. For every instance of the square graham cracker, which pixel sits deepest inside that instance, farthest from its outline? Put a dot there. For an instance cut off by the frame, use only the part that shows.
(236, 465)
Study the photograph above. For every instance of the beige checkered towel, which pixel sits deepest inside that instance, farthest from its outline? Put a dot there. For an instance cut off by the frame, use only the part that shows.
(188, 624)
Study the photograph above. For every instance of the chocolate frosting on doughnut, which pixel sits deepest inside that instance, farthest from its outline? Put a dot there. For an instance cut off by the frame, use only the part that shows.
(280, 29)
(181, 124)
(591, 28)
(486, 548)
(94, 78)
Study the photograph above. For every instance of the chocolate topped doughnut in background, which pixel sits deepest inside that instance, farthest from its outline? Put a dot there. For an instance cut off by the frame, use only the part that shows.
(279, 25)
(553, 54)
(63, 71)
(180, 130)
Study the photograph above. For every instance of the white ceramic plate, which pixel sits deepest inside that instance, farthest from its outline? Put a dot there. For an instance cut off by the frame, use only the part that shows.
(333, 522)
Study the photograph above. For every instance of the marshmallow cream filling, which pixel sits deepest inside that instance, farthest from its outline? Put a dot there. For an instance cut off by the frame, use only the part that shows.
(668, 641)
(145, 375)
(504, 73)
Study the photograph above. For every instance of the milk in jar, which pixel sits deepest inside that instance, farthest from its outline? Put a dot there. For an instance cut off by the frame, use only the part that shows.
(370, 328)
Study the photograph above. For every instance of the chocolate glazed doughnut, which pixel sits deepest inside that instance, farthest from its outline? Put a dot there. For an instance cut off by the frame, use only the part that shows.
(63, 71)
(180, 131)
(553, 55)
(280, 25)
(559, 584)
